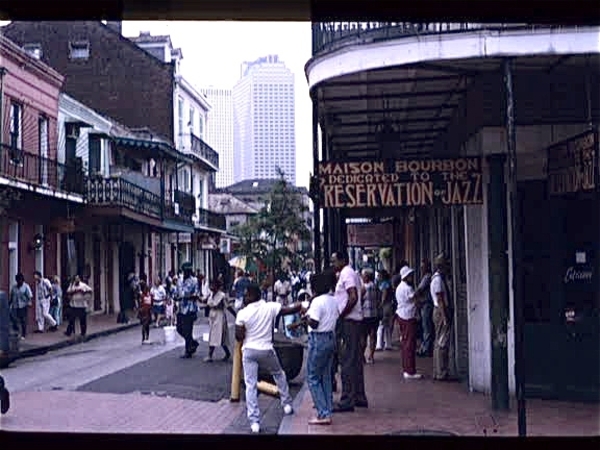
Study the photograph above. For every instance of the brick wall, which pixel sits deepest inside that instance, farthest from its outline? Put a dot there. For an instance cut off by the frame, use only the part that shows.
(119, 79)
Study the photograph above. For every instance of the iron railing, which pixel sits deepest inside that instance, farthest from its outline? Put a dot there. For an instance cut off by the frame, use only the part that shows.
(35, 170)
(329, 36)
(211, 219)
(116, 191)
(204, 151)
(181, 208)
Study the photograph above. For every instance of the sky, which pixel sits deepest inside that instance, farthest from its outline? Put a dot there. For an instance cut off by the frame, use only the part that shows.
(214, 51)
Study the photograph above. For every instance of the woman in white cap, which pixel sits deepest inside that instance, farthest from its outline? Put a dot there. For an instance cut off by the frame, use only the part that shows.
(407, 319)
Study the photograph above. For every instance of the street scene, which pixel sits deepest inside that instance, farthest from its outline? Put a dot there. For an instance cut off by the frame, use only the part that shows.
(356, 228)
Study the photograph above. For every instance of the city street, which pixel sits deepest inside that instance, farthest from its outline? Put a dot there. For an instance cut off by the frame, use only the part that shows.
(115, 384)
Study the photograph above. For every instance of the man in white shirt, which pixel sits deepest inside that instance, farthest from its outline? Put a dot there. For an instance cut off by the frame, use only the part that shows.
(254, 328)
(347, 295)
(283, 289)
(322, 317)
(407, 318)
(43, 294)
(442, 320)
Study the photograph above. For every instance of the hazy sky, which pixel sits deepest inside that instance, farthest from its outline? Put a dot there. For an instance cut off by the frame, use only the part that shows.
(214, 51)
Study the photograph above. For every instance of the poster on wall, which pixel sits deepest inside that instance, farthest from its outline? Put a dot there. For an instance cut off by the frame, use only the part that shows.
(401, 183)
(370, 234)
(572, 164)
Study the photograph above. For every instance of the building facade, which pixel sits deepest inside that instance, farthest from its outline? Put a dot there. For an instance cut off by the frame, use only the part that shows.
(489, 135)
(37, 190)
(264, 131)
(219, 131)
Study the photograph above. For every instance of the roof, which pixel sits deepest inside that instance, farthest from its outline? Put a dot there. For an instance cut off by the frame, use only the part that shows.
(228, 204)
(146, 38)
(255, 186)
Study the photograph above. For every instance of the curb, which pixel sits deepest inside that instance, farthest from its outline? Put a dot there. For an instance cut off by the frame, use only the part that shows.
(285, 427)
(41, 350)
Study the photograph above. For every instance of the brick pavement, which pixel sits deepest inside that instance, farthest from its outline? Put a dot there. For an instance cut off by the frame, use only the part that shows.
(398, 405)
(83, 412)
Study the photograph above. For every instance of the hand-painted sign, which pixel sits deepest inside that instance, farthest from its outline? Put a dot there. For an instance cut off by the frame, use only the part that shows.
(370, 234)
(398, 183)
(572, 164)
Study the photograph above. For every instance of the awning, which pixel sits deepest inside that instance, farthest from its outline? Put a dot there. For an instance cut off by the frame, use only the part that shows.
(147, 145)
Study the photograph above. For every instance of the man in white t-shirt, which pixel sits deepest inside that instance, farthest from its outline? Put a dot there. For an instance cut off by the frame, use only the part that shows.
(254, 328)
(442, 320)
(322, 318)
(348, 297)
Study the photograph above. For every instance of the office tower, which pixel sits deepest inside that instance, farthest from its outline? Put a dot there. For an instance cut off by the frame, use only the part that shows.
(264, 121)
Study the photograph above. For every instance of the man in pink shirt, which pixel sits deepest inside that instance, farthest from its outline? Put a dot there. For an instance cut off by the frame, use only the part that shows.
(347, 295)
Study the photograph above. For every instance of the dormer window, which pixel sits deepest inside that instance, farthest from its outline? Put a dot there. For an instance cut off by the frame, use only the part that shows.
(79, 50)
(33, 50)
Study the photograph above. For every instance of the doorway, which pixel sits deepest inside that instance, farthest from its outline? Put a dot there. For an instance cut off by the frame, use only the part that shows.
(560, 292)
(97, 274)
(126, 264)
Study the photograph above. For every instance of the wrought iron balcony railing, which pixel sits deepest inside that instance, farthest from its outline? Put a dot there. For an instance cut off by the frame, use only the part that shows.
(204, 151)
(179, 207)
(34, 170)
(116, 191)
(211, 219)
(329, 36)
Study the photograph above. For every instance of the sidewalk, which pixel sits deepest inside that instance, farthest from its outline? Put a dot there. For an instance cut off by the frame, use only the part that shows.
(426, 407)
(83, 412)
(98, 325)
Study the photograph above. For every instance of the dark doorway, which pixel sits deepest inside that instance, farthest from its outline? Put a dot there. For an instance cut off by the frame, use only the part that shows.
(561, 295)
(126, 264)
(97, 274)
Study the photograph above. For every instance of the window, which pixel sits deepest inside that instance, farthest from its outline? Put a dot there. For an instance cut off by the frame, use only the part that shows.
(43, 148)
(192, 119)
(201, 193)
(201, 127)
(79, 50)
(16, 132)
(33, 50)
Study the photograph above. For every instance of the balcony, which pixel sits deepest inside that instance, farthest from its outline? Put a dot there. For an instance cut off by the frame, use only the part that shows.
(203, 151)
(211, 219)
(117, 192)
(181, 208)
(44, 173)
(330, 36)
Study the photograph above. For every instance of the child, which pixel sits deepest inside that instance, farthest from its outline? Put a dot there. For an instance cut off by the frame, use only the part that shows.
(145, 312)
(298, 325)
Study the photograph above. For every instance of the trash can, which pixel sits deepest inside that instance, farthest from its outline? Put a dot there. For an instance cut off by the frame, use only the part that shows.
(9, 340)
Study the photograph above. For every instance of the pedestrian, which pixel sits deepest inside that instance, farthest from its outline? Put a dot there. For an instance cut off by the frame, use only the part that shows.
(322, 316)
(442, 320)
(407, 320)
(79, 295)
(347, 295)
(254, 329)
(56, 302)
(423, 291)
(171, 291)
(159, 298)
(20, 300)
(239, 286)
(187, 310)
(388, 312)
(43, 296)
(370, 308)
(283, 289)
(218, 332)
(145, 308)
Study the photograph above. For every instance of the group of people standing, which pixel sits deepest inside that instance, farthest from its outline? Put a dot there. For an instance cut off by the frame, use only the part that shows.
(51, 304)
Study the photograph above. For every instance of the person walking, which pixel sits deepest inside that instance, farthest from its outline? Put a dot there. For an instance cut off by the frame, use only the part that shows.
(187, 309)
(388, 312)
(407, 320)
(218, 332)
(159, 298)
(442, 320)
(20, 300)
(322, 316)
(254, 329)
(426, 310)
(347, 295)
(43, 296)
(79, 295)
(145, 311)
(56, 302)
(371, 309)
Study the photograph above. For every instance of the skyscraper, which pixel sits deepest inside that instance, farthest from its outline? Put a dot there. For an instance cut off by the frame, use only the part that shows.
(219, 131)
(264, 132)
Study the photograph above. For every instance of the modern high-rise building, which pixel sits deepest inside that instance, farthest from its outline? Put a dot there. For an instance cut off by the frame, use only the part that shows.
(219, 131)
(264, 131)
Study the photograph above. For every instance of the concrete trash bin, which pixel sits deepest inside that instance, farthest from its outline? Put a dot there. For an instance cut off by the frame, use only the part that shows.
(291, 358)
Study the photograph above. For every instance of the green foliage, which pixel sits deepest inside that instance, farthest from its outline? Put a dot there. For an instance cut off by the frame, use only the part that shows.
(278, 225)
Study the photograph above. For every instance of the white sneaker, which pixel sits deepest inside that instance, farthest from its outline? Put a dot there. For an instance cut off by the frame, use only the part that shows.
(416, 376)
(287, 410)
(255, 428)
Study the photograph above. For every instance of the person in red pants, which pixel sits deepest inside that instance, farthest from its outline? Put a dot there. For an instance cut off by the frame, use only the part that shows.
(406, 314)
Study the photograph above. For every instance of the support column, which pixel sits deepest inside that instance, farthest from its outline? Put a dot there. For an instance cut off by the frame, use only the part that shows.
(326, 212)
(518, 320)
(316, 199)
(498, 279)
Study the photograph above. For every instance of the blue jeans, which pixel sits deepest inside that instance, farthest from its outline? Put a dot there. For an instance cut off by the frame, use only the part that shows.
(321, 347)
